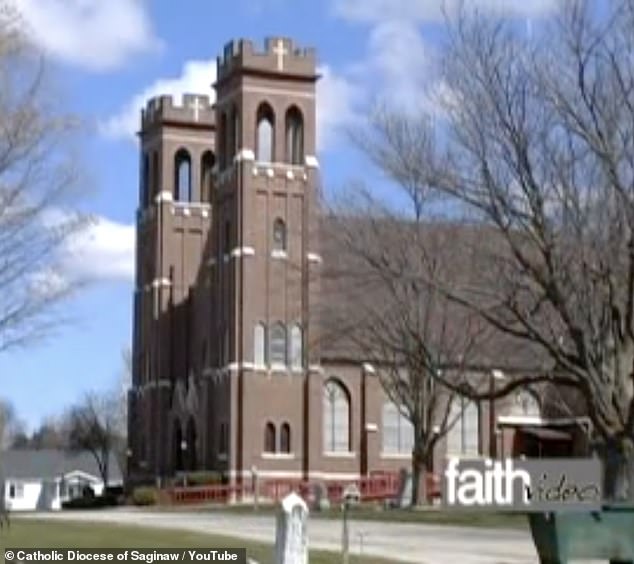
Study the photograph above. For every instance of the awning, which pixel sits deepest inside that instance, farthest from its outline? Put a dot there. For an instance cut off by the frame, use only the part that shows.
(546, 434)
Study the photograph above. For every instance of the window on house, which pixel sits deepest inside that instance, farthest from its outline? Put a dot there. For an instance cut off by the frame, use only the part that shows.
(464, 435)
(183, 176)
(397, 431)
(336, 417)
(277, 341)
(285, 438)
(265, 138)
(279, 235)
(206, 176)
(16, 490)
(259, 345)
(269, 438)
(294, 136)
(296, 352)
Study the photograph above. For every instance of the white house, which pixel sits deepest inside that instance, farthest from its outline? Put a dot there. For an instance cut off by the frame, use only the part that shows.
(40, 480)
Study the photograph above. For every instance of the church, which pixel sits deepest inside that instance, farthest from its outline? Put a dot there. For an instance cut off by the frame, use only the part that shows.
(229, 372)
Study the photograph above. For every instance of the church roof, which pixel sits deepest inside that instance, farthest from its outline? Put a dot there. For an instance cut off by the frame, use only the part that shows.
(361, 259)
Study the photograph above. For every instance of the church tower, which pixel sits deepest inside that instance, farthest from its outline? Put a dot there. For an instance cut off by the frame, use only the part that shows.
(173, 223)
(266, 260)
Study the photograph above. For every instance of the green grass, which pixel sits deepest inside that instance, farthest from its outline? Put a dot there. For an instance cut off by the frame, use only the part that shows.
(433, 516)
(26, 533)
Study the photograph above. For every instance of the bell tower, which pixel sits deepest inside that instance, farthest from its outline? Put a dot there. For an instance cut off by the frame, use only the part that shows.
(173, 221)
(266, 255)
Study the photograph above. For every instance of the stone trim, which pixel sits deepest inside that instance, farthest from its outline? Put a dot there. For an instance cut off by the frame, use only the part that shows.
(314, 257)
(278, 455)
(311, 161)
(244, 155)
(161, 283)
(279, 254)
(243, 252)
(331, 454)
(164, 196)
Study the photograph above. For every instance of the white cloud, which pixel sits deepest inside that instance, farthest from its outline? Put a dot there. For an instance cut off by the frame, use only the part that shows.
(93, 34)
(434, 10)
(336, 95)
(103, 251)
(196, 78)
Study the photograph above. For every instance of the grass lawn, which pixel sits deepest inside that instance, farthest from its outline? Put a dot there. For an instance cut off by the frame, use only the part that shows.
(370, 512)
(26, 533)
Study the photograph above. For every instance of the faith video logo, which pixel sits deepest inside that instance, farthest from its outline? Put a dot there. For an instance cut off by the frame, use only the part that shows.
(523, 485)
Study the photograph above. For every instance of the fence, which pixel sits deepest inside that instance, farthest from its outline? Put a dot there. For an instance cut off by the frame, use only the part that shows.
(373, 488)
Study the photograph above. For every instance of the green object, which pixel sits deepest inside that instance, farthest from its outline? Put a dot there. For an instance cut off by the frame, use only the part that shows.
(607, 534)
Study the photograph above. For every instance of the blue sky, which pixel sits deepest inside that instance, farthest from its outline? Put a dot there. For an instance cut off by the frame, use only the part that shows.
(107, 56)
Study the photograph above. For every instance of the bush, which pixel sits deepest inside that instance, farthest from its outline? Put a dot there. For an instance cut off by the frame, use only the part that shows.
(144, 496)
(90, 502)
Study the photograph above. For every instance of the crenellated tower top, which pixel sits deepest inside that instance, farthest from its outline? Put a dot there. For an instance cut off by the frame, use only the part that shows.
(195, 109)
(279, 56)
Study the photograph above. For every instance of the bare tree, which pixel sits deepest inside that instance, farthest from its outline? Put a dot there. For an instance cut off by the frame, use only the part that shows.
(93, 426)
(537, 151)
(10, 424)
(379, 304)
(37, 175)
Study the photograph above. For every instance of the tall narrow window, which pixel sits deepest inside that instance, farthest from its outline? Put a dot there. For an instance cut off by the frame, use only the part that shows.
(206, 176)
(269, 438)
(183, 176)
(336, 417)
(277, 341)
(156, 184)
(265, 137)
(463, 437)
(296, 347)
(279, 235)
(285, 438)
(223, 439)
(145, 180)
(222, 136)
(397, 431)
(259, 345)
(227, 245)
(294, 136)
(234, 134)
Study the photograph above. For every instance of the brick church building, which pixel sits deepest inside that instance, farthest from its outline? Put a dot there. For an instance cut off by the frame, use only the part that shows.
(229, 373)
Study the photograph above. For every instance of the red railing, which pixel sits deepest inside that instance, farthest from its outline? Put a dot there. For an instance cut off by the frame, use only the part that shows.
(374, 488)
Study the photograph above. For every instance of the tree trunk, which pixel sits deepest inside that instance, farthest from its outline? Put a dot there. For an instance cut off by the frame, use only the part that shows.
(618, 461)
(419, 486)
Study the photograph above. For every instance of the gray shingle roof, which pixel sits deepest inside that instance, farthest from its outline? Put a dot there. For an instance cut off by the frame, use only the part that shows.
(51, 463)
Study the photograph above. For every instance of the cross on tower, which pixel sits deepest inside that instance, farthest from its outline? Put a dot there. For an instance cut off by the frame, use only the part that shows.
(196, 106)
(281, 51)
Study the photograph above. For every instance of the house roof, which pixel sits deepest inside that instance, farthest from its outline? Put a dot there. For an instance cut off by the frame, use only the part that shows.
(52, 463)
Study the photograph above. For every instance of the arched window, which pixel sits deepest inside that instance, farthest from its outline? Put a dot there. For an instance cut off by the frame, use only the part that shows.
(265, 138)
(145, 180)
(277, 345)
(296, 347)
(259, 345)
(191, 445)
(285, 438)
(397, 431)
(279, 235)
(206, 176)
(294, 136)
(269, 438)
(336, 417)
(183, 176)
(464, 435)
(223, 438)
(178, 447)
